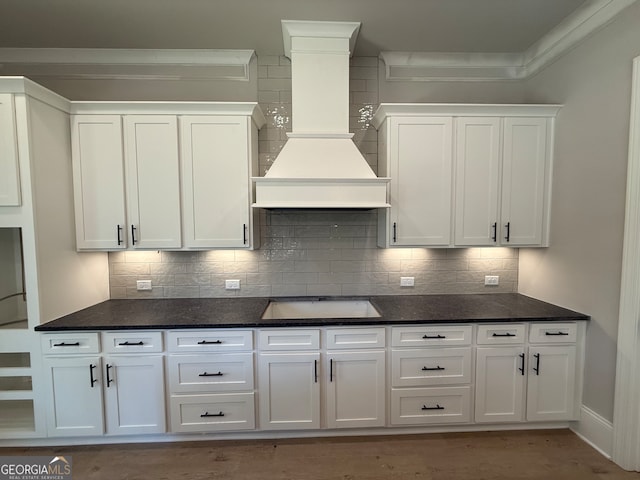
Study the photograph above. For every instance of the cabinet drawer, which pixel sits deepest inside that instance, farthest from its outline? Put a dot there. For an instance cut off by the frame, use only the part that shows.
(289, 339)
(132, 342)
(61, 343)
(507, 334)
(434, 366)
(553, 333)
(431, 335)
(211, 373)
(416, 406)
(350, 338)
(212, 413)
(210, 341)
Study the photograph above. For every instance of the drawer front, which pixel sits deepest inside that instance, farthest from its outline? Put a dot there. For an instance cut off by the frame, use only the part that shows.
(212, 413)
(289, 339)
(210, 341)
(350, 338)
(211, 373)
(419, 406)
(507, 334)
(553, 333)
(434, 366)
(63, 343)
(132, 342)
(419, 336)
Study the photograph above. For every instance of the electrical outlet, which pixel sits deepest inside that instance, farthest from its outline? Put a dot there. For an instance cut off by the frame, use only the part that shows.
(491, 280)
(143, 285)
(407, 281)
(232, 284)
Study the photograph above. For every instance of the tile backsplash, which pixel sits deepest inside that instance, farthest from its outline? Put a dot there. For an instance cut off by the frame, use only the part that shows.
(313, 252)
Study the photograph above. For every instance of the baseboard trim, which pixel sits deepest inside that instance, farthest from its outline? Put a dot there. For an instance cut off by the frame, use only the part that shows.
(595, 430)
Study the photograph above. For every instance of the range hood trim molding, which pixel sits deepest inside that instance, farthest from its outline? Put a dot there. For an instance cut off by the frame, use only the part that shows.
(304, 28)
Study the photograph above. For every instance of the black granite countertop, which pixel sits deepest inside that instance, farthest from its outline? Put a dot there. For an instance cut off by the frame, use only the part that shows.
(246, 312)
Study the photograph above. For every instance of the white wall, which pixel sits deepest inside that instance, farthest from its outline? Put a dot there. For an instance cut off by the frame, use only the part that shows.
(581, 269)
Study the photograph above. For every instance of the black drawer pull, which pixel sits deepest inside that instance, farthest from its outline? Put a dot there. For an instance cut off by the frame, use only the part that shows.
(556, 334)
(64, 344)
(205, 374)
(207, 414)
(131, 344)
(433, 336)
(437, 407)
(427, 369)
(504, 334)
(209, 342)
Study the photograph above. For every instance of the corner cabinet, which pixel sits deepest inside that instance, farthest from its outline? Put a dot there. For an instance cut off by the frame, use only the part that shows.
(466, 175)
(136, 188)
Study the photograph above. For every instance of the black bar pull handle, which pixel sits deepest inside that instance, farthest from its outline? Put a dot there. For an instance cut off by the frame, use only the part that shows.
(119, 234)
(131, 344)
(504, 334)
(244, 233)
(109, 379)
(521, 368)
(395, 232)
(331, 370)
(133, 234)
(209, 342)
(437, 407)
(494, 237)
(315, 371)
(537, 367)
(427, 337)
(91, 377)
(205, 374)
(428, 369)
(507, 227)
(207, 414)
(65, 344)
(556, 334)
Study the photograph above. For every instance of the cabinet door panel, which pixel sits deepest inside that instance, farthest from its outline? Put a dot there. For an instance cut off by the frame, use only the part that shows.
(524, 180)
(421, 171)
(153, 180)
(9, 171)
(98, 181)
(215, 165)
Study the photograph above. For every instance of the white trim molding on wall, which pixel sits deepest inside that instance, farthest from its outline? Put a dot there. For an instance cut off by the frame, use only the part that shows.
(626, 414)
(595, 430)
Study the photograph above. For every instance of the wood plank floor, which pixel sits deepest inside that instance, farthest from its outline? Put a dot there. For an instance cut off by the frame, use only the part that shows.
(530, 455)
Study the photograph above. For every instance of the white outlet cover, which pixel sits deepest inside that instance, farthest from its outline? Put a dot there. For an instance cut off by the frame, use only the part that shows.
(492, 280)
(232, 284)
(407, 281)
(143, 285)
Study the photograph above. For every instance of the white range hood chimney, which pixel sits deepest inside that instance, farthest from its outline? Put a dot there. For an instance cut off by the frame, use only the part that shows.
(320, 166)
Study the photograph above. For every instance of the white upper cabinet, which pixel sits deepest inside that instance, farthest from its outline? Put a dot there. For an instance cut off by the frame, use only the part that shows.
(152, 180)
(98, 180)
(219, 153)
(9, 171)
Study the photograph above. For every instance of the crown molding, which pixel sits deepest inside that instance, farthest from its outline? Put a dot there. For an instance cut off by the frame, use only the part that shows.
(127, 64)
(465, 67)
(312, 29)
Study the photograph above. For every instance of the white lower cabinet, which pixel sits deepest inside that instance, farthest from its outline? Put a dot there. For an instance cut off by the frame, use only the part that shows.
(415, 406)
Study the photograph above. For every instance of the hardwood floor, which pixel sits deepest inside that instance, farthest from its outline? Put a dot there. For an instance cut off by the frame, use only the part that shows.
(530, 455)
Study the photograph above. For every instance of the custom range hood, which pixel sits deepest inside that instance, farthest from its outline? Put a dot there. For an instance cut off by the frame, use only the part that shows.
(319, 165)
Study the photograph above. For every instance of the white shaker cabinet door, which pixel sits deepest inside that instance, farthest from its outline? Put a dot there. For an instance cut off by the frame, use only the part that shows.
(524, 181)
(215, 173)
(153, 181)
(9, 171)
(98, 182)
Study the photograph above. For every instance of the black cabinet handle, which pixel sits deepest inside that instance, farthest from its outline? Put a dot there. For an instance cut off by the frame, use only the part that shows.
(437, 407)
(91, 377)
(508, 234)
(208, 342)
(244, 233)
(537, 367)
(521, 368)
(315, 371)
(133, 234)
(395, 231)
(131, 344)
(64, 344)
(207, 414)
(331, 370)
(427, 337)
(555, 334)
(205, 374)
(109, 379)
(119, 234)
(428, 369)
(504, 334)
(494, 237)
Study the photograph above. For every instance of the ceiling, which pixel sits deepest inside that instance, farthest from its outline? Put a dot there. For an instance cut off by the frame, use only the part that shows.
(446, 26)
